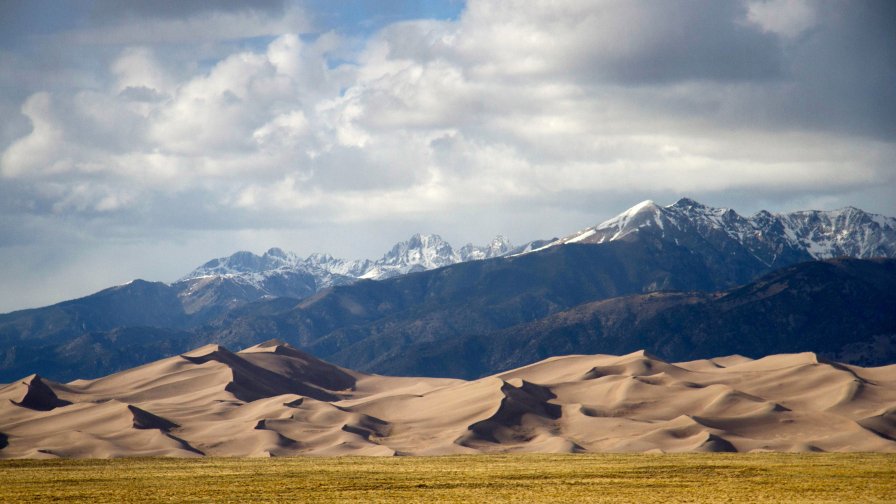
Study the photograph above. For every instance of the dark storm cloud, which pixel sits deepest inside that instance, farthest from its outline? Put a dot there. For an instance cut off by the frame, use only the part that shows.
(845, 70)
(114, 10)
(837, 74)
(141, 94)
(691, 40)
(21, 19)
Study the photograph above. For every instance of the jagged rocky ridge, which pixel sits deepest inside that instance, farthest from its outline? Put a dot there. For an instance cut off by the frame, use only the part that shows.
(773, 239)
(229, 282)
(746, 246)
(419, 253)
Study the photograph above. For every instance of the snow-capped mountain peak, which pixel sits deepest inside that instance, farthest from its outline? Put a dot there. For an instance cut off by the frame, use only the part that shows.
(843, 232)
(686, 203)
(762, 242)
(275, 271)
(499, 246)
(643, 214)
(419, 253)
(278, 252)
(245, 262)
(424, 250)
(772, 238)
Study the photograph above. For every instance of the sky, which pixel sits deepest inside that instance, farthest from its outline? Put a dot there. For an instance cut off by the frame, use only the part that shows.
(141, 139)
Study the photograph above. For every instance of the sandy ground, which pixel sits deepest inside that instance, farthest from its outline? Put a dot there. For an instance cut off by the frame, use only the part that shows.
(273, 400)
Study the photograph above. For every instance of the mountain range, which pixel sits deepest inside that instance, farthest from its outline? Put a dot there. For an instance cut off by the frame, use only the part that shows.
(285, 274)
(773, 239)
(842, 309)
(764, 242)
(497, 307)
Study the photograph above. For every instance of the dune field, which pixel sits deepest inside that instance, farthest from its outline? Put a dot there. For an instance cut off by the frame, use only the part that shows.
(273, 400)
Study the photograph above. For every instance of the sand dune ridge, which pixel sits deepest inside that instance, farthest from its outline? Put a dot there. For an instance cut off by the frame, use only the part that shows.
(274, 400)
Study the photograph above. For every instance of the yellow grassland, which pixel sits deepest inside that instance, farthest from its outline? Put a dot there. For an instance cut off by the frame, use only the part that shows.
(644, 478)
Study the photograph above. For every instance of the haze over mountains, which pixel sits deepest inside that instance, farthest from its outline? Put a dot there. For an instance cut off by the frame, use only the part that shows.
(444, 312)
(273, 400)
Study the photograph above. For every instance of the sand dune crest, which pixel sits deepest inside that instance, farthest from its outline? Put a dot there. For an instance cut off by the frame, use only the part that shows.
(32, 393)
(274, 400)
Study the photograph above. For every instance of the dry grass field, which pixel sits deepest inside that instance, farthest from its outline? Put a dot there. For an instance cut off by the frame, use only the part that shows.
(754, 478)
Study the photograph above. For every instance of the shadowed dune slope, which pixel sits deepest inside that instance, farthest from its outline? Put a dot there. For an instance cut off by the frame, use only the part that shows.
(273, 400)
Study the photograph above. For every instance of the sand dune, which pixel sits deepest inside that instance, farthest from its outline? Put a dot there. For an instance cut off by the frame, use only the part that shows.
(273, 400)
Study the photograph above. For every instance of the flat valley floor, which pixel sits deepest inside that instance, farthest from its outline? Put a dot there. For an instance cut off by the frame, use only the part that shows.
(711, 477)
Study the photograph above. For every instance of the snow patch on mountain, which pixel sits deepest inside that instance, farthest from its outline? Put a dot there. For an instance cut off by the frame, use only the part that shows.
(767, 236)
(419, 253)
(772, 239)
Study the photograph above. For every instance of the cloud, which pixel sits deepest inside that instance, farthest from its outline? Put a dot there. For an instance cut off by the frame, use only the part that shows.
(114, 10)
(787, 18)
(169, 23)
(617, 41)
(39, 149)
(138, 67)
(549, 98)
